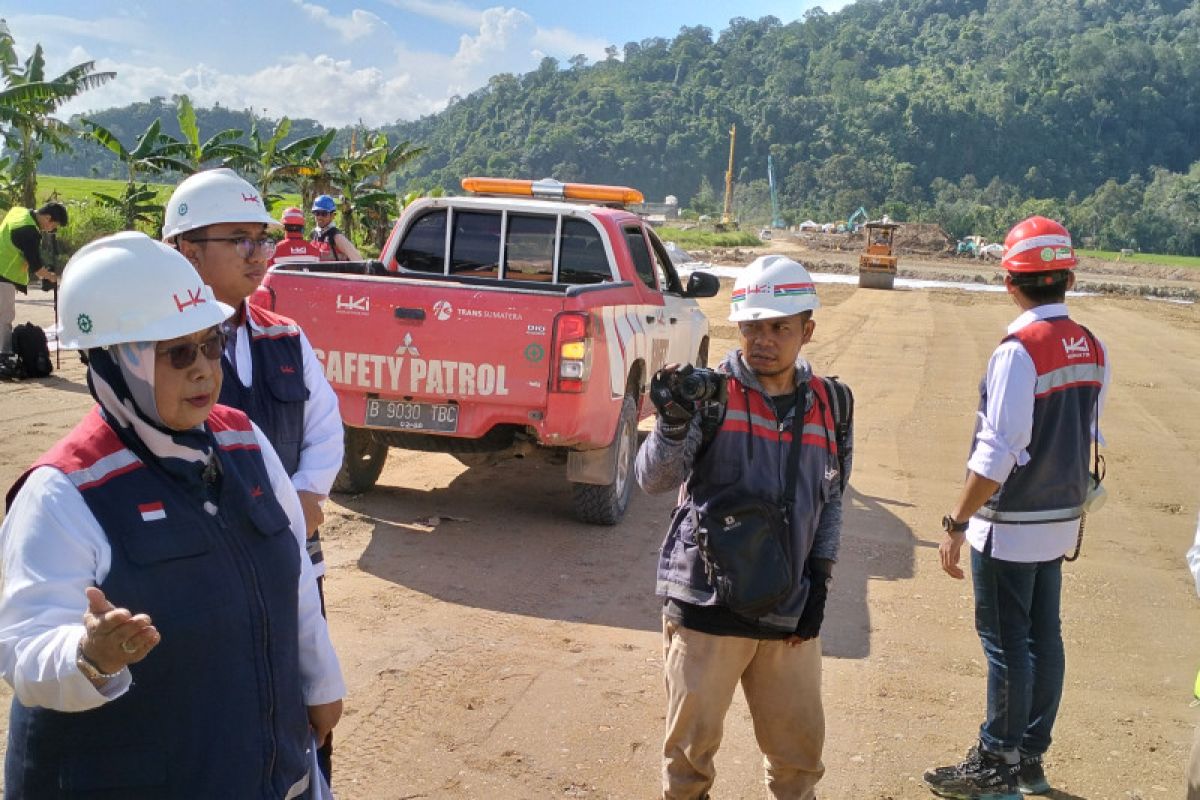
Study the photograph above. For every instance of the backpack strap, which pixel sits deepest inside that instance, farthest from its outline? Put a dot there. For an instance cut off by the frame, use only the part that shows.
(841, 401)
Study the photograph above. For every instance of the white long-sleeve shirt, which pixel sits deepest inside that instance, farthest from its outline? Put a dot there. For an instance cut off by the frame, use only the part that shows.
(321, 447)
(1005, 430)
(52, 548)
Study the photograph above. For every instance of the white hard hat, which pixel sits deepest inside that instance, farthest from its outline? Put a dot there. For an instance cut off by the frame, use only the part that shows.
(212, 197)
(772, 286)
(129, 288)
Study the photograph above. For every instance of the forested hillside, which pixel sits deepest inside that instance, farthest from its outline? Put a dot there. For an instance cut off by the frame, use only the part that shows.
(898, 105)
(964, 112)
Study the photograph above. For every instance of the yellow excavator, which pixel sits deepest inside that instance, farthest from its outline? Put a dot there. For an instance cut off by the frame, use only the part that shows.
(877, 264)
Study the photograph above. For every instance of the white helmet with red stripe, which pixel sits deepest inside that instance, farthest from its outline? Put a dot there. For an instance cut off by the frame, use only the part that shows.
(1038, 244)
(772, 286)
(212, 197)
(129, 288)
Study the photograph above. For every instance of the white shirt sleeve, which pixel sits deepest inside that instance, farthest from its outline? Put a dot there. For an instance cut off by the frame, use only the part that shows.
(1193, 558)
(322, 447)
(1006, 423)
(51, 549)
(320, 674)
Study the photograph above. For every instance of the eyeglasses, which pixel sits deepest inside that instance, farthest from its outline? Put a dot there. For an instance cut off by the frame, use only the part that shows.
(322, 213)
(184, 355)
(244, 244)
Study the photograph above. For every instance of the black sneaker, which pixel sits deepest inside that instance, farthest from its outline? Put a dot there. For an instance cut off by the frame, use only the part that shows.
(981, 776)
(1031, 779)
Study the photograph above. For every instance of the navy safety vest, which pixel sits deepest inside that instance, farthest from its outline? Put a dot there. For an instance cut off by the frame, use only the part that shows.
(748, 457)
(216, 709)
(276, 395)
(1052, 486)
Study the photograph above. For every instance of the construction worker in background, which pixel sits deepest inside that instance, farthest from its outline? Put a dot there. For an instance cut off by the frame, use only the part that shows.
(218, 222)
(764, 455)
(1029, 481)
(334, 244)
(21, 254)
(293, 248)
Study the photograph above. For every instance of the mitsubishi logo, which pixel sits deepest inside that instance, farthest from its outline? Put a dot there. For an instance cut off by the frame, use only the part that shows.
(407, 347)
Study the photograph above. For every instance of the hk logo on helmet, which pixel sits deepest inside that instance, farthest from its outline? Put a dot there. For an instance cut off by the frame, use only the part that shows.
(193, 299)
(250, 198)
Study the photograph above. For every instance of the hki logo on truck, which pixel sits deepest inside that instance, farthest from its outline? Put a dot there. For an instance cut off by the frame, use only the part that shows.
(409, 375)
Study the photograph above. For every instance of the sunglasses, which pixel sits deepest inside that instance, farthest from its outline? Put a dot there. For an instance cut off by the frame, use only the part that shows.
(245, 245)
(182, 356)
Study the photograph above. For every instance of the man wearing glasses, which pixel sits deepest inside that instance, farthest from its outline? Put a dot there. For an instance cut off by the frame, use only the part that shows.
(335, 246)
(219, 223)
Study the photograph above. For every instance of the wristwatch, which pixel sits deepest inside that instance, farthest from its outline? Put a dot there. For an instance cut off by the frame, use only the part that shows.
(950, 525)
(89, 669)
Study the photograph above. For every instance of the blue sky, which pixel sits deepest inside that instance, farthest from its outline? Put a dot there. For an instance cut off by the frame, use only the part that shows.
(339, 62)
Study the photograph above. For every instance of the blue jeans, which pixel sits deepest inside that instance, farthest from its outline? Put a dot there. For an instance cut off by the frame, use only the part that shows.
(1017, 618)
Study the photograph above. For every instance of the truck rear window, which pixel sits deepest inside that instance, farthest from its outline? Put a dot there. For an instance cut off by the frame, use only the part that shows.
(528, 252)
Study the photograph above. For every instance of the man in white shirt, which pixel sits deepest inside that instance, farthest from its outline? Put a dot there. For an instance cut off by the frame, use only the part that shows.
(1029, 477)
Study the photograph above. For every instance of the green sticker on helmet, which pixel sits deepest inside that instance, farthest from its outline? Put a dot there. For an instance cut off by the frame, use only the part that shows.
(84, 322)
(1063, 252)
(1047, 254)
(183, 209)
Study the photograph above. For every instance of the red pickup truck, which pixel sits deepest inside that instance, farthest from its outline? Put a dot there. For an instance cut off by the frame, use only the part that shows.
(501, 324)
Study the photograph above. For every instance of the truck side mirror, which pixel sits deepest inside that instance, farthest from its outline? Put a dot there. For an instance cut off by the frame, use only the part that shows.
(702, 284)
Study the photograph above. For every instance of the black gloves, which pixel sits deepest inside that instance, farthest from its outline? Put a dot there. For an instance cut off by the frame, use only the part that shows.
(820, 574)
(673, 416)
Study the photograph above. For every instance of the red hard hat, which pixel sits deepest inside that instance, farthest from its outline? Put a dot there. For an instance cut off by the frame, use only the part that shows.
(292, 216)
(1038, 244)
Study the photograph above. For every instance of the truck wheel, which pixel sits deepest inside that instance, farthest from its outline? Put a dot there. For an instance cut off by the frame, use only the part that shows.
(362, 463)
(605, 505)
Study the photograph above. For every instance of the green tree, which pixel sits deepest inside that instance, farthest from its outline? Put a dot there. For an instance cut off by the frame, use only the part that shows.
(222, 146)
(154, 153)
(28, 102)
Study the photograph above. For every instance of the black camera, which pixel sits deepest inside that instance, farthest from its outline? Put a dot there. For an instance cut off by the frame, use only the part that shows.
(701, 386)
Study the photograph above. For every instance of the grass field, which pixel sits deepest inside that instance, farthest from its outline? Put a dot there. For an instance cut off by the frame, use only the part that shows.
(696, 238)
(1190, 262)
(81, 189)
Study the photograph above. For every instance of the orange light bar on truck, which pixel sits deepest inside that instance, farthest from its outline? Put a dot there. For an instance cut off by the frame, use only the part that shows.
(548, 188)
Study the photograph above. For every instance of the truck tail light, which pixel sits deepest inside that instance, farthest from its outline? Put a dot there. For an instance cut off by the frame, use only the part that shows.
(572, 361)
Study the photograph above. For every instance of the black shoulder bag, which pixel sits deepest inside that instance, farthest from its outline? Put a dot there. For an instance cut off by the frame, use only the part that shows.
(744, 543)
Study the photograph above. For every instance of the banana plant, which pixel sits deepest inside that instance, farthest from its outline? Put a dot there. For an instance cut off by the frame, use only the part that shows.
(154, 153)
(139, 203)
(223, 146)
(28, 101)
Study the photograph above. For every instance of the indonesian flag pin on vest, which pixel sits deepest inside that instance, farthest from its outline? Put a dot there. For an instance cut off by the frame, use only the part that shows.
(152, 511)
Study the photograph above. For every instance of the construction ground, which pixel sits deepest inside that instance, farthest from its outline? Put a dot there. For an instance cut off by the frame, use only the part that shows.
(494, 648)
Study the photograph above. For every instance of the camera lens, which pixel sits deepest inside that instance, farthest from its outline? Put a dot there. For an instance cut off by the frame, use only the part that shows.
(699, 386)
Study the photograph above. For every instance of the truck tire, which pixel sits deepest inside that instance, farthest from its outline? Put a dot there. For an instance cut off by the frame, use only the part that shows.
(606, 504)
(362, 463)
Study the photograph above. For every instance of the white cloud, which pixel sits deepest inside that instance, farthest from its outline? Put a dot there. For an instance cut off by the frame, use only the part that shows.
(569, 43)
(450, 12)
(356, 26)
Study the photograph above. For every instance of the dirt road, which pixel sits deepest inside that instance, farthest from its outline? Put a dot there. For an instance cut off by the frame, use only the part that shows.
(495, 648)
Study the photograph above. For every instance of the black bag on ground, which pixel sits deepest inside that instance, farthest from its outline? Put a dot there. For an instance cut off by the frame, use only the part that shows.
(742, 546)
(32, 351)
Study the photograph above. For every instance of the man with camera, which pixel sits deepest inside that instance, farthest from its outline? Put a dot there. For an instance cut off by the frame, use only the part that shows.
(759, 451)
(1031, 475)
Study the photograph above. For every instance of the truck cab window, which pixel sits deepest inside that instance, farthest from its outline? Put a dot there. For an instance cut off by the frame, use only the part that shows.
(582, 258)
(668, 278)
(424, 246)
(529, 250)
(641, 255)
(475, 246)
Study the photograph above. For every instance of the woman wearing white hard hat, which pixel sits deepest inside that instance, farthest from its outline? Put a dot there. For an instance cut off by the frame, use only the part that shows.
(159, 623)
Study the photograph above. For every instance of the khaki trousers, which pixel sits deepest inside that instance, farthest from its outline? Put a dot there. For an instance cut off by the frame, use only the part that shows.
(8, 313)
(1193, 769)
(782, 685)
